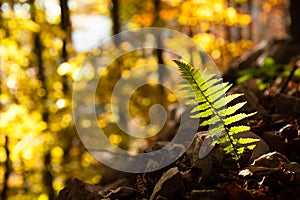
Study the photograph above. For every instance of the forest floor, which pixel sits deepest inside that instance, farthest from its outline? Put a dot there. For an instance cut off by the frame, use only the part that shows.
(270, 171)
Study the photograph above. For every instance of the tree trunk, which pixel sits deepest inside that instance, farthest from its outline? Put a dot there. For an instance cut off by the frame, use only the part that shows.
(249, 27)
(295, 20)
(48, 177)
(7, 170)
(159, 52)
(239, 37)
(116, 22)
(66, 26)
(115, 17)
(38, 50)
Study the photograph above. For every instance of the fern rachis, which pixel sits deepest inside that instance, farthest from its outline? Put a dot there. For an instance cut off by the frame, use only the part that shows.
(209, 97)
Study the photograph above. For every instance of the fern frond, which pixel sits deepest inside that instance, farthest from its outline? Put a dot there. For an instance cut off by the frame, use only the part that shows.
(210, 100)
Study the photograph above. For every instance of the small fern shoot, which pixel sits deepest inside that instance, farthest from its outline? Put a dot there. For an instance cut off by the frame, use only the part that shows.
(208, 94)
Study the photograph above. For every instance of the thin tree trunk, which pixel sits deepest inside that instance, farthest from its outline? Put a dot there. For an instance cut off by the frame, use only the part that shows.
(238, 27)
(115, 17)
(250, 25)
(7, 170)
(156, 11)
(228, 28)
(66, 26)
(295, 20)
(115, 30)
(48, 178)
(159, 52)
(116, 21)
(7, 163)
(1, 19)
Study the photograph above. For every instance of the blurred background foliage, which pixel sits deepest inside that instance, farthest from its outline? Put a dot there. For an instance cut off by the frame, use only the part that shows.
(42, 46)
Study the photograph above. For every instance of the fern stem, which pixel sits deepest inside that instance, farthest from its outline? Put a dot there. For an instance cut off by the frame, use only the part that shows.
(234, 148)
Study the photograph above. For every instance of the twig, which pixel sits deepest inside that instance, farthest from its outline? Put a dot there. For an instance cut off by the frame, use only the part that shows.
(295, 64)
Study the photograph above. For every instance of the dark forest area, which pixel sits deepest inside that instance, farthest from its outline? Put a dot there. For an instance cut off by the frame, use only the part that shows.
(149, 99)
